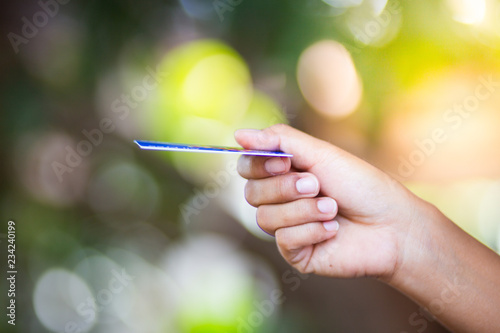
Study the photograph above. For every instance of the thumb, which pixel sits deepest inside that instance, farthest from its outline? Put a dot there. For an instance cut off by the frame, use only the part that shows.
(306, 150)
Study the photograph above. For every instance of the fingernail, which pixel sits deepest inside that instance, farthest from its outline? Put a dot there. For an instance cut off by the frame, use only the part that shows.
(327, 205)
(331, 226)
(307, 185)
(275, 165)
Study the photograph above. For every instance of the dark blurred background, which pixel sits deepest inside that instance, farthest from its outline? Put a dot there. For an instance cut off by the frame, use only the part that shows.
(110, 238)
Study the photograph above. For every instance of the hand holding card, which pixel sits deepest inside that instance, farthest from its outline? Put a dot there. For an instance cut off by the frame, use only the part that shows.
(152, 145)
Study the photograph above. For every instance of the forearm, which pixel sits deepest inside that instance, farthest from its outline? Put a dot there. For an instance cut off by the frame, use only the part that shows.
(449, 273)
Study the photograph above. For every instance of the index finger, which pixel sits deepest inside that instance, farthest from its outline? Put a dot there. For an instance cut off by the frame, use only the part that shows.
(307, 151)
(257, 167)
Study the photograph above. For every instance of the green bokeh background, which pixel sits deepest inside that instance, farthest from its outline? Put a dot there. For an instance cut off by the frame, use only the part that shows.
(217, 72)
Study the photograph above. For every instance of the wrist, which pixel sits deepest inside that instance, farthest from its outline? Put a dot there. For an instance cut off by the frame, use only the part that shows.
(442, 268)
(429, 258)
(419, 242)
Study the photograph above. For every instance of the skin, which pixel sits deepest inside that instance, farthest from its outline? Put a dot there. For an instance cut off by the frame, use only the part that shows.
(369, 225)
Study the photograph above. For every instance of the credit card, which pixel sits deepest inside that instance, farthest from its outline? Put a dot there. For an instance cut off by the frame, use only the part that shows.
(153, 145)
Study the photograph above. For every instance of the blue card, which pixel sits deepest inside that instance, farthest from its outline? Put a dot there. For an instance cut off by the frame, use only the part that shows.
(152, 145)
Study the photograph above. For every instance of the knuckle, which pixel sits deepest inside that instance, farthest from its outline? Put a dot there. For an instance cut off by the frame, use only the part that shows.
(244, 166)
(250, 194)
(303, 208)
(312, 230)
(282, 187)
(262, 219)
(283, 239)
(278, 128)
(273, 131)
(240, 167)
(291, 213)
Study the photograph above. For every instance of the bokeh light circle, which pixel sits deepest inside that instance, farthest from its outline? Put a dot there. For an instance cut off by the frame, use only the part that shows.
(328, 79)
(50, 168)
(122, 191)
(216, 281)
(58, 300)
(206, 94)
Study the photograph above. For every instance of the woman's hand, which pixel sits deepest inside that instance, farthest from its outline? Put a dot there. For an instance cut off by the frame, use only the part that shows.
(383, 230)
(332, 213)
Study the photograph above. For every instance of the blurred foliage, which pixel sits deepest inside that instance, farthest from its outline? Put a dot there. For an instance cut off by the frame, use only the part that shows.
(224, 65)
